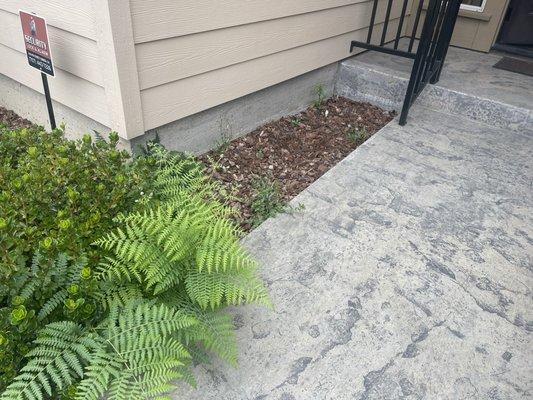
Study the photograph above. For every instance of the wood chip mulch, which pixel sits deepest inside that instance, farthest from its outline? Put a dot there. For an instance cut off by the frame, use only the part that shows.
(12, 120)
(294, 151)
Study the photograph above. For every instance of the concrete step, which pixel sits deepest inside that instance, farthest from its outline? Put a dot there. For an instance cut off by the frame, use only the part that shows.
(377, 79)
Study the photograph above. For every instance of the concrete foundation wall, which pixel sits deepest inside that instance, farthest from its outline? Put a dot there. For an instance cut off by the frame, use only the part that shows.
(195, 134)
(31, 105)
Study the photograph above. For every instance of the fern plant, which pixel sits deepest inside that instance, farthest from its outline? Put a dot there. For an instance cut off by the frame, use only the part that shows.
(183, 252)
(49, 290)
(133, 354)
(168, 274)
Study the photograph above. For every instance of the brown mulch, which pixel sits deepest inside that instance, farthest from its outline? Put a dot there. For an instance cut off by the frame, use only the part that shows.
(293, 151)
(12, 120)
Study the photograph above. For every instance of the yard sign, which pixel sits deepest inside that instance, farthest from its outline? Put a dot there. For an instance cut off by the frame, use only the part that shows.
(39, 53)
(36, 42)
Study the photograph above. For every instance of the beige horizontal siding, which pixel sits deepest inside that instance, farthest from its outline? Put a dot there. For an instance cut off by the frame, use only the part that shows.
(245, 47)
(175, 100)
(168, 60)
(72, 53)
(473, 30)
(68, 89)
(78, 83)
(70, 15)
(159, 19)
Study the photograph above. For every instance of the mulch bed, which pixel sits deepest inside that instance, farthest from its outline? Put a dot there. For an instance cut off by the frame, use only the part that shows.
(291, 152)
(294, 151)
(12, 120)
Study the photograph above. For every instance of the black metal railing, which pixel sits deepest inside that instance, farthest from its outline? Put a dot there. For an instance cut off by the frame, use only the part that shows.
(433, 43)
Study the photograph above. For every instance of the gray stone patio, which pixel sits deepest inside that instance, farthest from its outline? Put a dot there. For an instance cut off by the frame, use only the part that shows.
(409, 275)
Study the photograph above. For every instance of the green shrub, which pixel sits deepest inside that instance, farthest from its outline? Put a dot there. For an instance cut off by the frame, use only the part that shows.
(127, 326)
(56, 196)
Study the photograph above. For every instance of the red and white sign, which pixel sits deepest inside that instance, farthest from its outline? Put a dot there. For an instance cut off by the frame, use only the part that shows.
(36, 42)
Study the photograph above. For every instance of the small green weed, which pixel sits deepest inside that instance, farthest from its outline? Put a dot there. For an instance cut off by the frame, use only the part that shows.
(358, 135)
(266, 201)
(320, 94)
(222, 144)
(214, 164)
(296, 122)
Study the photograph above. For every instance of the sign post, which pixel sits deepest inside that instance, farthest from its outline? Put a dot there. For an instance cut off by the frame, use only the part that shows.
(39, 53)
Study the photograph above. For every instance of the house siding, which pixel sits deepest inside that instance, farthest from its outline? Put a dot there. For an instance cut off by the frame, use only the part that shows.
(193, 55)
(140, 64)
(473, 30)
(74, 50)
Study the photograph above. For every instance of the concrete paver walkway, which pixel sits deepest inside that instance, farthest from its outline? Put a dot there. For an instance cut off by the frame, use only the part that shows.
(408, 276)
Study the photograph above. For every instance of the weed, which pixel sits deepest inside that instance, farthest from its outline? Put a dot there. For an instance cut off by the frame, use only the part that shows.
(222, 144)
(299, 208)
(259, 153)
(214, 164)
(320, 94)
(358, 135)
(296, 122)
(225, 128)
(266, 201)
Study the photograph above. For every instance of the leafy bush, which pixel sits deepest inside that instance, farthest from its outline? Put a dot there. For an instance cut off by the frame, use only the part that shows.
(56, 196)
(149, 298)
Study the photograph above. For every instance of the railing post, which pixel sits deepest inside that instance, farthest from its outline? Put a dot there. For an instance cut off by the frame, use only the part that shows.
(437, 30)
(449, 26)
(400, 24)
(421, 53)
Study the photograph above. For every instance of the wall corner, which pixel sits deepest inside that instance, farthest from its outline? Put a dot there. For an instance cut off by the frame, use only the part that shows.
(118, 65)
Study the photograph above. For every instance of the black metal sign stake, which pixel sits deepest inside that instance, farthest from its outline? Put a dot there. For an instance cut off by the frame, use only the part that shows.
(48, 101)
(39, 54)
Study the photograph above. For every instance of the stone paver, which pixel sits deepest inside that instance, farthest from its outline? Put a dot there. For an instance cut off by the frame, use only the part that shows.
(469, 86)
(408, 275)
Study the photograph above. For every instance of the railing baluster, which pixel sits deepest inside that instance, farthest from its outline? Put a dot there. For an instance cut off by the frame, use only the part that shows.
(400, 24)
(432, 14)
(443, 7)
(372, 20)
(439, 21)
(386, 23)
(415, 25)
(449, 26)
(418, 66)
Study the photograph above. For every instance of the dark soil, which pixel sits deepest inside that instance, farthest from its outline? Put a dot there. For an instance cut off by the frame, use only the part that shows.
(293, 151)
(12, 120)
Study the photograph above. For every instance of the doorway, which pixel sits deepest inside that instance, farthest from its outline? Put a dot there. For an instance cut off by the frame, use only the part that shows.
(516, 33)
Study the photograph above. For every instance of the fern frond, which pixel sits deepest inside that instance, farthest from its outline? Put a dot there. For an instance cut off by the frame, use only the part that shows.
(141, 355)
(28, 281)
(225, 288)
(62, 349)
(112, 295)
(214, 330)
(52, 304)
(148, 319)
(221, 251)
(98, 375)
(141, 251)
